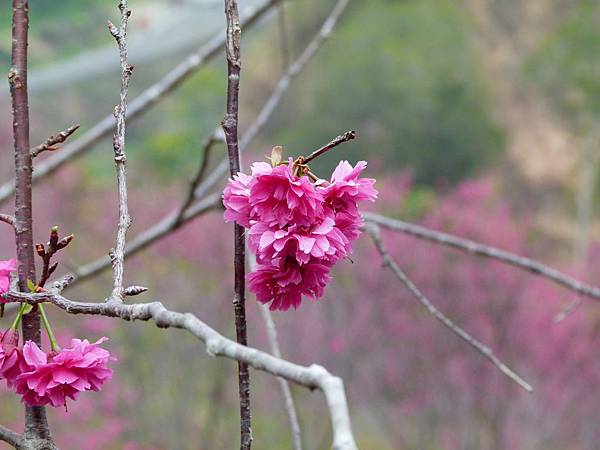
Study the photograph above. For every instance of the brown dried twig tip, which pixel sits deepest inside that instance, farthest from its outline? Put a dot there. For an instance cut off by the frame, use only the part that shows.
(51, 143)
(347, 136)
(46, 252)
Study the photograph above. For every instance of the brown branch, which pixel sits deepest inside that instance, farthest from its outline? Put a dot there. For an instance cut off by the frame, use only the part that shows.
(10, 437)
(46, 252)
(312, 377)
(144, 102)
(230, 127)
(486, 251)
(347, 136)
(52, 142)
(8, 219)
(36, 424)
(375, 234)
(117, 254)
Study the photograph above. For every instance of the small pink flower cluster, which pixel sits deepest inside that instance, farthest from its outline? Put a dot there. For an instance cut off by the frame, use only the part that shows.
(50, 378)
(298, 229)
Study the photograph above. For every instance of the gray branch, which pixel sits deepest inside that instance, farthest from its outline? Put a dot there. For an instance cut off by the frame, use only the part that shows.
(117, 255)
(8, 219)
(486, 251)
(145, 101)
(10, 437)
(312, 377)
(375, 234)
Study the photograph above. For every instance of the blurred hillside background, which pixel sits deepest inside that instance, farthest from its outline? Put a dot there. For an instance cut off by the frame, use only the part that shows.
(477, 117)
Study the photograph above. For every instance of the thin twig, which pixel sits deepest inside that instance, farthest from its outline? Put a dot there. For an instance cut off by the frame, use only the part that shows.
(36, 424)
(170, 223)
(230, 127)
(215, 138)
(8, 219)
(375, 234)
(117, 254)
(52, 142)
(46, 252)
(10, 437)
(568, 310)
(347, 136)
(144, 102)
(312, 377)
(521, 262)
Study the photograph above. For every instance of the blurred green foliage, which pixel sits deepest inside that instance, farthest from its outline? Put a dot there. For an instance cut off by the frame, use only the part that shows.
(567, 67)
(73, 23)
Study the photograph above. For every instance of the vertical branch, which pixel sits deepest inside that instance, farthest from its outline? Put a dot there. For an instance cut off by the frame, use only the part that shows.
(117, 255)
(36, 424)
(230, 127)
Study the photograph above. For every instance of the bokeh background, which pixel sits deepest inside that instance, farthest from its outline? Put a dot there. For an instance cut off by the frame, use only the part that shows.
(477, 117)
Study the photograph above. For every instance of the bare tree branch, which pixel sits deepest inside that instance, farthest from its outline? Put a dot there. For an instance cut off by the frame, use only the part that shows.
(36, 424)
(10, 437)
(215, 137)
(347, 136)
(230, 128)
(8, 219)
(313, 377)
(53, 141)
(145, 101)
(521, 262)
(375, 234)
(117, 255)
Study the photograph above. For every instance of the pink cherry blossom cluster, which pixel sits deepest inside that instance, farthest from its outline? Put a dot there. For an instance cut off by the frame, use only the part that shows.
(49, 378)
(297, 229)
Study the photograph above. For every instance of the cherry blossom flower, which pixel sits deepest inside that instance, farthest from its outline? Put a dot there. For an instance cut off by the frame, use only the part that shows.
(6, 267)
(283, 287)
(278, 197)
(346, 189)
(52, 378)
(10, 355)
(323, 240)
(235, 198)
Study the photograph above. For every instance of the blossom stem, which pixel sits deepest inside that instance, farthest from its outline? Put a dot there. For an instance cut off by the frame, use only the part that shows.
(347, 136)
(17, 320)
(53, 344)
